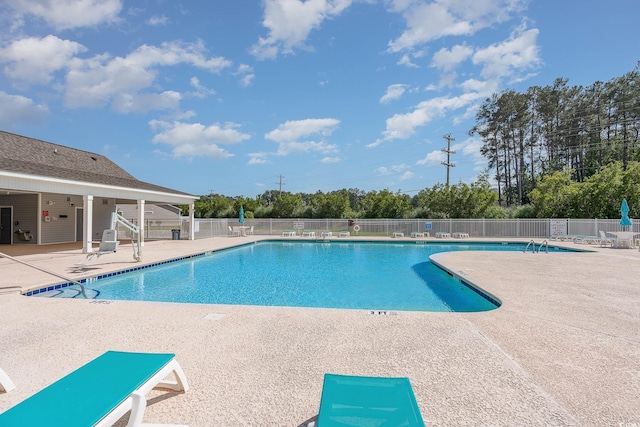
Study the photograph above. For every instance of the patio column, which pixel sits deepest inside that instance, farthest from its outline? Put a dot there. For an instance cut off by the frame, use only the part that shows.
(141, 221)
(87, 223)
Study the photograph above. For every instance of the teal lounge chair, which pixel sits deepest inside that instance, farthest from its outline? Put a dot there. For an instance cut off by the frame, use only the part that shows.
(99, 393)
(368, 401)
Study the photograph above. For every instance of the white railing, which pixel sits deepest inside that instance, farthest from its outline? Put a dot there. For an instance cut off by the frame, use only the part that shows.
(496, 228)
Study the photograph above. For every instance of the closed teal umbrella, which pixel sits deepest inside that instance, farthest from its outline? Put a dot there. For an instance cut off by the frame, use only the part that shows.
(624, 211)
(241, 215)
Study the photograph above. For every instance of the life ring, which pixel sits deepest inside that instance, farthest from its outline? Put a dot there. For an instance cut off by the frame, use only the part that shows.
(356, 228)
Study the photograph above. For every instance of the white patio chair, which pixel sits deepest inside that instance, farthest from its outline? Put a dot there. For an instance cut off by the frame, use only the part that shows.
(604, 240)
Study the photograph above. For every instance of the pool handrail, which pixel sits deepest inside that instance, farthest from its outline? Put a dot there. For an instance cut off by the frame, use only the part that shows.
(44, 270)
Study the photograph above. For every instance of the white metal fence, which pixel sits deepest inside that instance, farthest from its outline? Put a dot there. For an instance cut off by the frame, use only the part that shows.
(527, 228)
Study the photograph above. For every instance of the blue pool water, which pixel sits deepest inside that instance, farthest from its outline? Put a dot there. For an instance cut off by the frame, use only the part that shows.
(372, 276)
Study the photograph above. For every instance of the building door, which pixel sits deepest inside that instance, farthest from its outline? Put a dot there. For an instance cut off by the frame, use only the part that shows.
(5, 226)
(79, 226)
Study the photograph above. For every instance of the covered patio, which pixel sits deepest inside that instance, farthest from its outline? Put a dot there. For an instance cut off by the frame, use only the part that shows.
(51, 193)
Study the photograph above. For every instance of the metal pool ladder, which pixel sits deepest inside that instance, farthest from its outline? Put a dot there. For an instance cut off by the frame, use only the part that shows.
(75, 282)
(532, 245)
(546, 246)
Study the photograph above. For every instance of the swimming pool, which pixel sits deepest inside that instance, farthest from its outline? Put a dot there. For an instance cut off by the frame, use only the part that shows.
(354, 275)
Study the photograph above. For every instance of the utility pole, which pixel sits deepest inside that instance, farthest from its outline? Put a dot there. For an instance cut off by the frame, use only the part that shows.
(447, 150)
(280, 184)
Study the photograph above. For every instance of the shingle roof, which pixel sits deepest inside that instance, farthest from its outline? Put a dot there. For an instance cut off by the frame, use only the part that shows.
(35, 157)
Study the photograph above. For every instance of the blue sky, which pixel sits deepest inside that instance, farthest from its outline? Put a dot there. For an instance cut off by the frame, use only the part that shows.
(229, 95)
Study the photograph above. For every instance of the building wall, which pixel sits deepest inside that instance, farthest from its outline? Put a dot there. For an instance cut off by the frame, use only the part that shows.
(61, 223)
(61, 212)
(24, 214)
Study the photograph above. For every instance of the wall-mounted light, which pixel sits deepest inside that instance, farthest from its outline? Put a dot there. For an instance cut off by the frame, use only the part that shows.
(51, 203)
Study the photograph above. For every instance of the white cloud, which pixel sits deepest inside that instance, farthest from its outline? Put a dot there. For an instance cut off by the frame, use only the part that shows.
(201, 91)
(119, 81)
(403, 126)
(406, 61)
(158, 20)
(383, 170)
(448, 59)
(428, 22)
(331, 160)
(407, 175)
(246, 74)
(433, 158)
(290, 21)
(289, 135)
(485, 86)
(518, 53)
(257, 159)
(468, 148)
(34, 60)
(144, 102)
(431, 21)
(16, 109)
(67, 14)
(173, 53)
(472, 147)
(196, 139)
(394, 92)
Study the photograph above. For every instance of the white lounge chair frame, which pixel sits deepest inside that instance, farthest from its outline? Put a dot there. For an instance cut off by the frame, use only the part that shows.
(137, 402)
(5, 382)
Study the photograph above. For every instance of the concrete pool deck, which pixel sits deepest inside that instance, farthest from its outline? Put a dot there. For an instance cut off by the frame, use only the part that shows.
(563, 349)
